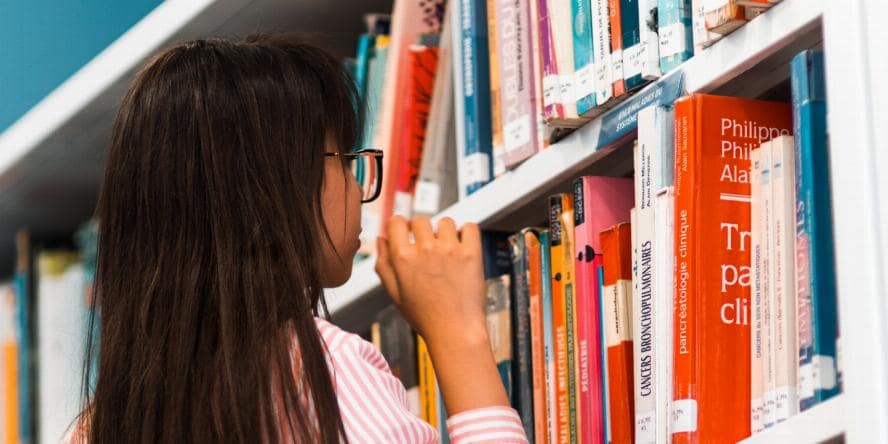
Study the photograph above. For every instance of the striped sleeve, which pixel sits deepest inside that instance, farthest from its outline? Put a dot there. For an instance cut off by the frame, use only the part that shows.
(486, 425)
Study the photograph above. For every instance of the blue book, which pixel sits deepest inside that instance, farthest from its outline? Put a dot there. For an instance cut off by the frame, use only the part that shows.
(548, 339)
(472, 68)
(22, 282)
(818, 317)
(372, 99)
(366, 44)
(676, 35)
(584, 62)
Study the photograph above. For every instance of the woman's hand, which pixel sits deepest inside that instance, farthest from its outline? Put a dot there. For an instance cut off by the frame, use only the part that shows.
(437, 281)
(438, 284)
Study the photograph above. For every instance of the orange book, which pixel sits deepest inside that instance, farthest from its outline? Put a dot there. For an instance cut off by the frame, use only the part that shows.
(9, 402)
(537, 353)
(616, 35)
(616, 246)
(563, 319)
(422, 62)
(726, 18)
(713, 138)
(428, 396)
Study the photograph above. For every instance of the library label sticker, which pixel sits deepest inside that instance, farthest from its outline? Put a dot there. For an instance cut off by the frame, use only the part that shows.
(684, 416)
(646, 427)
(477, 168)
(673, 39)
(428, 197)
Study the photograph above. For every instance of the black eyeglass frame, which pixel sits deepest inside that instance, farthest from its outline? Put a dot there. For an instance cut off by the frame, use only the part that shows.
(366, 152)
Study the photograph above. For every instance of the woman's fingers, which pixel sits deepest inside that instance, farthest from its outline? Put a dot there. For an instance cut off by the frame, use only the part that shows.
(398, 235)
(422, 231)
(470, 238)
(447, 230)
(385, 271)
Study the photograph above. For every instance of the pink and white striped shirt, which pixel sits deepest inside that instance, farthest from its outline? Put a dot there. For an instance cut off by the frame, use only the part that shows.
(373, 402)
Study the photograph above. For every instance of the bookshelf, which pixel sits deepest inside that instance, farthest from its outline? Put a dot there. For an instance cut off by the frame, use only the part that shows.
(51, 159)
(822, 423)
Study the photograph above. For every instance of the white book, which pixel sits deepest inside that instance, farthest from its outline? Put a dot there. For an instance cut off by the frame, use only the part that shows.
(768, 360)
(459, 107)
(601, 50)
(649, 40)
(62, 317)
(783, 275)
(562, 39)
(755, 302)
(664, 238)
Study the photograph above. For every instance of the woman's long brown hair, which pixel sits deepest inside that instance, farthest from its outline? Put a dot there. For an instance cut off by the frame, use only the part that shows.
(209, 246)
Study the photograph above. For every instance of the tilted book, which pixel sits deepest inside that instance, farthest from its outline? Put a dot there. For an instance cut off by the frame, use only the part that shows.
(549, 342)
(535, 277)
(522, 371)
(713, 137)
(563, 315)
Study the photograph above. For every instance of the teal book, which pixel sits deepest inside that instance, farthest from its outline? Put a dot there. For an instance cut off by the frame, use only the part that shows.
(584, 61)
(373, 99)
(815, 260)
(674, 19)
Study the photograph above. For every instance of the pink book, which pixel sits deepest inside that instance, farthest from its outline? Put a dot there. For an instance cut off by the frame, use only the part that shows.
(552, 108)
(599, 203)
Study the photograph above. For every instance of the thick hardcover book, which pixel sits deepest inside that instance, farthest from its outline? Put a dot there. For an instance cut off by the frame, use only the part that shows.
(563, 315)
(423, 62)
(614, 8)
(397, 343)
(522, 366)
(496, 115)
(649, 39)
(472, 95)
(535, 277)
(549, 335)
(785, 338)
(815, 263)
(654, 160)
(674, 21)
(713, 137)
(601, 48)
(517, 87)
(436, 188)
(499, 327)
(616, 244)
(599, 202)
(584, 56)
(664, 234)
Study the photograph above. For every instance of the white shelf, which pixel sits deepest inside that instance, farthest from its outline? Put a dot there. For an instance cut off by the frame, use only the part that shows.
(817, 424)
(771, 40)
(51, 159)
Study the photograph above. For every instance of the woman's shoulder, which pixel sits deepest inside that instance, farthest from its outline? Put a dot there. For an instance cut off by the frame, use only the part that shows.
(341, 343)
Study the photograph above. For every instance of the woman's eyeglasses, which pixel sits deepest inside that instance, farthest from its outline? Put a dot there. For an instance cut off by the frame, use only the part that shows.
(366, 165)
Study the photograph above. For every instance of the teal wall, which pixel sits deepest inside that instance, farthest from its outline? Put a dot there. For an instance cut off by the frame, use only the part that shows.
(43, 42)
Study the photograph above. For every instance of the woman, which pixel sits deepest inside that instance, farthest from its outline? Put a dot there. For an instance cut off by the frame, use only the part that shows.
(228, 204)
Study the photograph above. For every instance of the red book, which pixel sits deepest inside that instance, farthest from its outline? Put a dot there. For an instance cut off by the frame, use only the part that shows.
(616, 34)
(713, 138)
(616, 244)
(599, 202)
(422, 62)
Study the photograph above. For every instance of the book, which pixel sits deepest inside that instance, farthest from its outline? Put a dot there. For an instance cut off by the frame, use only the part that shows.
(423, 61)
(9, 421)
(616, 245)
(605, 379)
(783, 276)
(601, 48)
(713, 137)
(583, 56)
(522, 366)
(674, 23)
(24, 314)
(517, 89)
(436, 188)
(815, 263)
(758, 292)
(703, 38)
(615, 20)
(549, 340)
(471, 75)
(544, 133)
(397, 344)
(630, 27)
(535, 277)
(563, 316)
(551, 93)
(366, 44)
(61, 321)
(654, 161)
(562, 38)
(664, 207)
(499, 327)
(724, 16)
(599, 202)
(649, 39)
(496, 115)
(768, 361)
(428, 387)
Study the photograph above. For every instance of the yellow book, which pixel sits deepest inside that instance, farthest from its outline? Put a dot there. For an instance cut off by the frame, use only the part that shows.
(428, 398)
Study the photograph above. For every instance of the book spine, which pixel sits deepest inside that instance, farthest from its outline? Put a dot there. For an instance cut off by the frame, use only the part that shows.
(601, 48)
(598, 264)
(786, 348)
(769, 359)
(675, 32)
(459, 103)
(632, 47)
(649, 39)
(684, 406)
(568, 283)
(815, 273)
(496, 91)
(522, 372)
(588, 320)
(416, 104)
(703, 38)
(23, 310)
(538, 357)
(559, 316)
(549, 341)
(756, 304)
(645, 249)
(499, 327)
(616, 246)
(517, 86)
(428, 402)
(562, 39)
(584, 55)
(664, 209)
(9, 411)
(616, 36)
(552, 108)
(725, 17)
(475, 82)
(542, 131)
